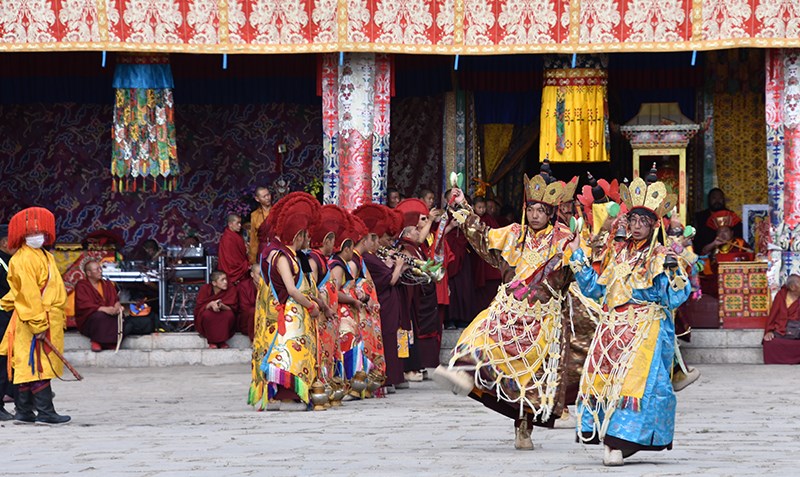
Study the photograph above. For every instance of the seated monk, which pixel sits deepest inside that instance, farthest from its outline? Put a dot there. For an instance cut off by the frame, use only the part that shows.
(97, 308)
(782, 332)
(726, 247)
(215, 311)
(247, 291)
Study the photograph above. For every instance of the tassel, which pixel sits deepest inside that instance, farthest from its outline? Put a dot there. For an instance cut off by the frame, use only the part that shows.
(113, 185)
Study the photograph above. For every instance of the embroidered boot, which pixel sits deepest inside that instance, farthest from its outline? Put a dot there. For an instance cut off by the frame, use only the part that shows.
(612, 457)
(43, 399)
(457, 381)
(522, 438)
(24, 406)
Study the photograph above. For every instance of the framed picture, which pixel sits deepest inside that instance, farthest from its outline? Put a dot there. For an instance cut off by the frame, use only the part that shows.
(752, 216)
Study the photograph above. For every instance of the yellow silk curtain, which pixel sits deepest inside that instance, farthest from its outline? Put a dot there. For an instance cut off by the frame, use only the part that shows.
(574, 116)
(496, 140)
(739, 138)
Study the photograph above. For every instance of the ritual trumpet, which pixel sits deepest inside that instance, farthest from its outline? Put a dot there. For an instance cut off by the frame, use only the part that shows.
(419, 272)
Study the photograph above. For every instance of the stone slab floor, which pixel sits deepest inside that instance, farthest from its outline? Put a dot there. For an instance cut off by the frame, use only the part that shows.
(737, 420)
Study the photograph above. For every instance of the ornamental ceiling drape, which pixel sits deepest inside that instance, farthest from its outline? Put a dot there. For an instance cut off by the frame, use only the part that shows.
(397, 26)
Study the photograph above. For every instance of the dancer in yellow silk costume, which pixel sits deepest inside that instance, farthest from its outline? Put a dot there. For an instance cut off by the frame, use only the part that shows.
(512, 356)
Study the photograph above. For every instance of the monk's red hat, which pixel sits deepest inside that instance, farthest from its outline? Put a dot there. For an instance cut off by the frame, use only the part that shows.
(396, 223)
(356, 230)
(411, 210)
(379, 219)
(332, 219)
(723, 218)
(299, 211)
(30, 221)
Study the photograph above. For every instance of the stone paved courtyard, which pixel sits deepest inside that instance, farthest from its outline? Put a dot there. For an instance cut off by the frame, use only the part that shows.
(193, 421)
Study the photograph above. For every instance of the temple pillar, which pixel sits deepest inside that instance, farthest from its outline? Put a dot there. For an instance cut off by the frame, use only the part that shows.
(356, 92)
(783, 160)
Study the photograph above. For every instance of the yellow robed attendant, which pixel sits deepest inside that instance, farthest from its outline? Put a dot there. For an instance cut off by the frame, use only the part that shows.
(37, 297)
(285, 343)
(511, 357)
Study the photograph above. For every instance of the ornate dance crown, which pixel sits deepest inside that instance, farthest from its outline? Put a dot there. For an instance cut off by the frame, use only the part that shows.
(648, 194)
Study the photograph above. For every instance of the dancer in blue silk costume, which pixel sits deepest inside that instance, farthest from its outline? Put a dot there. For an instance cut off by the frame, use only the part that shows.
(626, 398)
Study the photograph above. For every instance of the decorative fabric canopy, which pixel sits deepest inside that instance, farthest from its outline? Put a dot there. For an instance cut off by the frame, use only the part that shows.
(393, 26)
(144, 154)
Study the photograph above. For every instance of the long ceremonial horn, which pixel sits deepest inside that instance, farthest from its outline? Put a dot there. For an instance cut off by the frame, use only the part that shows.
(63, 359)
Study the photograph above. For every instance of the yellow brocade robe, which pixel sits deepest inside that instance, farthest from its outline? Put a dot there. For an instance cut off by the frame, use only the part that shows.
(38, 298)
(288, 359)
(515, 343)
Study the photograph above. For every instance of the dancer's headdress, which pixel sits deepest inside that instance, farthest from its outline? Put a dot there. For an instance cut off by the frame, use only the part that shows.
(648, 194)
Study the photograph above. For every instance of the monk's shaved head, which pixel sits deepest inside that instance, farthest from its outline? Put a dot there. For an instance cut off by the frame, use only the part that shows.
(231, 218)
(793, 282)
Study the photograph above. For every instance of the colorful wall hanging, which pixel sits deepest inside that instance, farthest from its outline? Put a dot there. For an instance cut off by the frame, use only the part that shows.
(459, 127)
(144, 154)
(574, 117)
(356, 118)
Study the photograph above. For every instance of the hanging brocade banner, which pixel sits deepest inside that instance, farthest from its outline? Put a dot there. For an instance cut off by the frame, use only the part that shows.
(144, 153)
(356, 93)
(574, 118)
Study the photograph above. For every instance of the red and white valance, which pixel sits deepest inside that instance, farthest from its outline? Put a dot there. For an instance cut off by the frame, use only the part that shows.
(401, 26)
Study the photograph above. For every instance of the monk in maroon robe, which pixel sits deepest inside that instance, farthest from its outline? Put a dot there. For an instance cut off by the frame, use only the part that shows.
(462, 286)
(247, 292)
(782, 331)
(215, 311)
(97, 308)
(487, 278)
(233, 252)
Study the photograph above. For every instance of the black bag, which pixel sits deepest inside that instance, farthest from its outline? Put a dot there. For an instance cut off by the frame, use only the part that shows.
(792, 330)
(139, 325)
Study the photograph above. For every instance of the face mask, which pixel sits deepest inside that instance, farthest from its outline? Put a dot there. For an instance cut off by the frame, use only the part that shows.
(35, 241)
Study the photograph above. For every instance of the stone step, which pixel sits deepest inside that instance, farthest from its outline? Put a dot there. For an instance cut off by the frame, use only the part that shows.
(157, 350)
(134, 358)
(74, 341)
(182, 349)
(724, 347)
(706, 347)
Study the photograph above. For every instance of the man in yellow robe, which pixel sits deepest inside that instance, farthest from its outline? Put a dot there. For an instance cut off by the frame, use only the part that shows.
(37, 298)
(258, 218)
